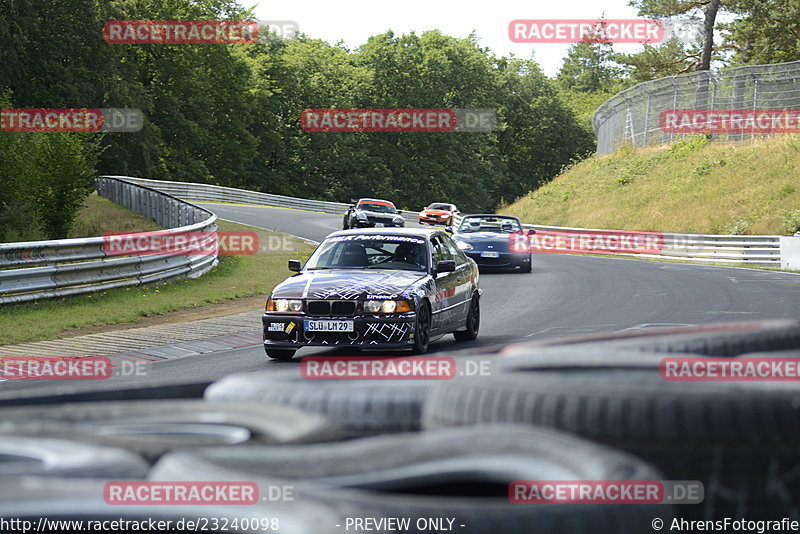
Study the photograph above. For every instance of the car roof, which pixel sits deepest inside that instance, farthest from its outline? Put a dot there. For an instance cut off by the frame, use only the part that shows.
(375, 200)
(426, 233)
(491, 215)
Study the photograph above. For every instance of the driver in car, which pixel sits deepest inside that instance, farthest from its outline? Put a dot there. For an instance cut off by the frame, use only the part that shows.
(411, 254)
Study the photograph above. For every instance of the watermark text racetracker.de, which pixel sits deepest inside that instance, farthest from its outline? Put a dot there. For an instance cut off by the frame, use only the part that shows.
(174, 32)
(606, 492)
(747, 121)
(585, 242)
(81, 120)
(389, 368)
(195, 243)
(739, 369)
(67, 368)
(397, 120)
(619, 31)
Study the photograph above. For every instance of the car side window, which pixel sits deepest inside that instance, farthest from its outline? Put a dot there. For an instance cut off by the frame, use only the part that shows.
(440, 251)
(455, 253)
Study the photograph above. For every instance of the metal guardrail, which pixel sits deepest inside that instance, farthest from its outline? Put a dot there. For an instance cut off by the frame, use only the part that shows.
(632, 116)
(749, 249)
(45, 269)
(217, 193)
(37, 270)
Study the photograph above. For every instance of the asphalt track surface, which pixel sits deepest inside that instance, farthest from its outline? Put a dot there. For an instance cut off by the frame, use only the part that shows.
(564, 295)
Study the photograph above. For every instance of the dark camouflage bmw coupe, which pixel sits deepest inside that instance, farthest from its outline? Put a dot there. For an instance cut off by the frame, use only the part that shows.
(375, 288)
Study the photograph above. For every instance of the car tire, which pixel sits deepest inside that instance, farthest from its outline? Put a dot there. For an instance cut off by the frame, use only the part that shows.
(280, 354)
(360, 407)
(731, 436)
(526, 266)
(46, 456)
(153, 428)
(473, 321)
(463, 474)
(422, 329)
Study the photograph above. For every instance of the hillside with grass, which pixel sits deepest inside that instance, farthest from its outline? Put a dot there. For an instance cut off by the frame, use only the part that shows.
(691, 186)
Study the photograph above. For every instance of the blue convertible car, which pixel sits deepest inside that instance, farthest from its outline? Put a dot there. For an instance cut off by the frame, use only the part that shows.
(487, 239)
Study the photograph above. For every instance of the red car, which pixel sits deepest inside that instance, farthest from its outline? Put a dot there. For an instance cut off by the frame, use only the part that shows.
(438, 213)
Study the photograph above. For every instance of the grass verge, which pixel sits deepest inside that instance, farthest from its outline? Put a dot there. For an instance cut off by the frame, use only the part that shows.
(235, 277)
(100, 216)
(691, 186)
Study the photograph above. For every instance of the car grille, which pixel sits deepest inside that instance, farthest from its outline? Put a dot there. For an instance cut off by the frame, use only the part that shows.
(331, 308)
(383, 220)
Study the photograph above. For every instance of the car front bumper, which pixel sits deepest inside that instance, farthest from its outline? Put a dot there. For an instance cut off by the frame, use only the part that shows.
(371, 224)
(505, 260)
(386, 331)
(433, 220)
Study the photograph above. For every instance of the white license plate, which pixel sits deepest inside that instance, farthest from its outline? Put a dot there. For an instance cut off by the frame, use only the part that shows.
(325, 325)
(487, 254)
(379, 225)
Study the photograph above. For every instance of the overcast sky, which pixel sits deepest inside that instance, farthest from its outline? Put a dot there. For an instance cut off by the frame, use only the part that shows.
(353, 21)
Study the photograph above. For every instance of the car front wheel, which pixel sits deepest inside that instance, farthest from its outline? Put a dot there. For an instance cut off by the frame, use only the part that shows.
(422, 330)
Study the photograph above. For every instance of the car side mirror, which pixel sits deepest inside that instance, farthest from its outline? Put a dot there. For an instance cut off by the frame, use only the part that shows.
(448, 229)
(530, 232)
(445, 266)
(295, 265)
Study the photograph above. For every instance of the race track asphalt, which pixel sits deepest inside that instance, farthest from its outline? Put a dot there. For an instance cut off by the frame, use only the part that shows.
(564, 295)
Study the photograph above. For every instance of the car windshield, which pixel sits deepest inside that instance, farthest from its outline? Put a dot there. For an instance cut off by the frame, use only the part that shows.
(490, 224)
(403, 253)
(380, 207)
(445, 207)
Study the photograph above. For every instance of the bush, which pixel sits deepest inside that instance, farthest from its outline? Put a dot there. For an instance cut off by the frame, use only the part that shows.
(792, 221)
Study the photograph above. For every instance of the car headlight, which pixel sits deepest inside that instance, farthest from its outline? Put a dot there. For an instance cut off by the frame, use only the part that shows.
(361, 216)
(284, 305)
(399, 219)
(463, 245)
(387, 306)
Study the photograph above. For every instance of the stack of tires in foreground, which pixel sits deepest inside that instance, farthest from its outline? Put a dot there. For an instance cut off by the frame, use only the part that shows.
(440, 454)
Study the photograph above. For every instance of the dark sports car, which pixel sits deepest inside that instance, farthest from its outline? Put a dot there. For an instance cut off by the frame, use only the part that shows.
(372, 213)
(487, 239)
(397, 289)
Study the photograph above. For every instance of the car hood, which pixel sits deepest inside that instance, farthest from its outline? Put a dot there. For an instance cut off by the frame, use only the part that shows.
(485, 240)
(348, 284)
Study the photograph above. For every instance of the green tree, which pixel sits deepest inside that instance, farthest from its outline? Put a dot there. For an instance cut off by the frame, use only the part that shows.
(589, 67)
(763, 31)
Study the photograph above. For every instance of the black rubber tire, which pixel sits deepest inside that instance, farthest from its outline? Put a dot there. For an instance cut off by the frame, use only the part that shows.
(153, 428)
(280, 354)
(422, 329)
(463, 474)
(735, 437)
(361, 407)
(713, 339)
(732, 339)
(526, 267)
(473, 321)
(27, 455)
